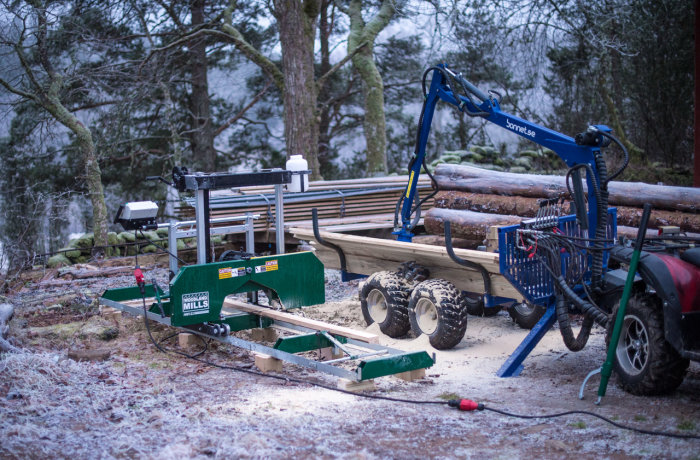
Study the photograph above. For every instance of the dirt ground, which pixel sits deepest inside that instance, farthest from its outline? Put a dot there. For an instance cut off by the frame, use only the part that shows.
(141, 403)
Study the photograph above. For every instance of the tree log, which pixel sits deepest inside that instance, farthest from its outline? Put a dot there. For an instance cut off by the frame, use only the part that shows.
(465, 224)
(527, 207)
(477, 180)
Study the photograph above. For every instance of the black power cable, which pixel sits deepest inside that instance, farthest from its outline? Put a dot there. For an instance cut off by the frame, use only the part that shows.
(470, 405)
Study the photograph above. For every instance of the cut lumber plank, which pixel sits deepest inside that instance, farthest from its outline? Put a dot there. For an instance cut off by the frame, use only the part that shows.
(410, 376)
(186, 340)
(266, 363)
(478, 180)
(365, 255)
(350, 385)
(402, 249)
(300, 321)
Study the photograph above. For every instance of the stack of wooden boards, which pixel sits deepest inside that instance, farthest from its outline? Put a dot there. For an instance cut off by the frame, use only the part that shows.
(366, 255)
(371, 201)
(474, 199)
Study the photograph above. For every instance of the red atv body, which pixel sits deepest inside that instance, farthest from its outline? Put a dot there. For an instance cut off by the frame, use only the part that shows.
(661, 330)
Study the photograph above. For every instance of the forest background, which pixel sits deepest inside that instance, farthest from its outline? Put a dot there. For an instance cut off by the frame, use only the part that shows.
(97, 95)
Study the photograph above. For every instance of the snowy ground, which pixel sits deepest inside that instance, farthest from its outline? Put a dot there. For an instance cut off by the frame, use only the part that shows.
(145, 404)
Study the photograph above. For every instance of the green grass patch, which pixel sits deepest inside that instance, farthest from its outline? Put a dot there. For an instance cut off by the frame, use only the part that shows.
(687, 425)
(449, 396)
(578, 425)
(640, 418)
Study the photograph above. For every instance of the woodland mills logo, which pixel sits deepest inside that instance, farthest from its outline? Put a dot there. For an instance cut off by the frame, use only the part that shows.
(520, 129)
(195, 304)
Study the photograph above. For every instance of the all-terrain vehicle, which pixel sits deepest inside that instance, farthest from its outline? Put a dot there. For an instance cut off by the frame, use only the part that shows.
(661, 328)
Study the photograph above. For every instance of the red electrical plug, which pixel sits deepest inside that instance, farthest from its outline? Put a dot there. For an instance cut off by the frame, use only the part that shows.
(140, 281)
(465, 404)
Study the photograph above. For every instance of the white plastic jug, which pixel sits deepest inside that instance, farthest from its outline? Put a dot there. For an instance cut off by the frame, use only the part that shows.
(297, 163)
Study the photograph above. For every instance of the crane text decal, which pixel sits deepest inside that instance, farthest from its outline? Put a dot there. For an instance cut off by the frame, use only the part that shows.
(520, 129)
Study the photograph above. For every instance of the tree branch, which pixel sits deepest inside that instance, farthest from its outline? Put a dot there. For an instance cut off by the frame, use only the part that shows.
(240, 114)
(19, 92)
(322, 79)
(267, 66)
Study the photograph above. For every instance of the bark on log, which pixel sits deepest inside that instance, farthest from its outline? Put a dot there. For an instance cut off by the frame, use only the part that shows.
(527, 207)
(477, 180)
(465, 224)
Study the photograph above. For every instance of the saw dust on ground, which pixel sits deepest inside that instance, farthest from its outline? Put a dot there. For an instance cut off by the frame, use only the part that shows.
(141, 403)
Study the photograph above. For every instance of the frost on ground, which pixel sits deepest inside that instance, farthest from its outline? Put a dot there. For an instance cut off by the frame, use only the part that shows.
(141, 403)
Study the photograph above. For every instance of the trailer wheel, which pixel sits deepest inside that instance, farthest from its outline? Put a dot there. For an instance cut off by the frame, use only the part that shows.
(437, 309)
(645, 363)
(525, 314)
(475, 306)
(384, 300)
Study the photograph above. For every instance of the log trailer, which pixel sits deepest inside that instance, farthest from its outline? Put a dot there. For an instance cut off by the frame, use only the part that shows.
(558, 264)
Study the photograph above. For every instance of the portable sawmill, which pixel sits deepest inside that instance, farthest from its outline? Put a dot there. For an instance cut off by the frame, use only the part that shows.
(197, 297)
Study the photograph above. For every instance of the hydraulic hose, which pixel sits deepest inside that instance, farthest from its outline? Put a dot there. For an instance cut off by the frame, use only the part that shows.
(586, 307)
(573, 343)
(601, 224)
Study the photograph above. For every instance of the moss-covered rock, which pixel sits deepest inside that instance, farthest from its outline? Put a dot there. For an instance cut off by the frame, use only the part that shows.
(149, 235)
(84, 242)
(71, 253)
(59, 260)
(127, 237)
(524, 162)
(518, 170)
(181, 245)
(530, 153)
(451, 160)
(162, 232)
(149, 249)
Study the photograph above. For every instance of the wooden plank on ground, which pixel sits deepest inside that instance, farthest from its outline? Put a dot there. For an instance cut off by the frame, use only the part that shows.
(301, 321)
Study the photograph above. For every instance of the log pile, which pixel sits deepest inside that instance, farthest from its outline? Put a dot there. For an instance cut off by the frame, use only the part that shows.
(473, 199)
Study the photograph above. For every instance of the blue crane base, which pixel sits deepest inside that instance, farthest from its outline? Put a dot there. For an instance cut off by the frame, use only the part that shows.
(514, 364)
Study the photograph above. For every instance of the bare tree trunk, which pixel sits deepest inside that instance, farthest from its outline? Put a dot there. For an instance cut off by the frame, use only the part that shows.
(297, 28)
(203, 151)
(93, 173)
(325, 28)
(362, 33)
(45, 92)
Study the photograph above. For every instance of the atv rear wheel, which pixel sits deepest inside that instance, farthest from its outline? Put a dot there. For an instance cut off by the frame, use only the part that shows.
(645, 363)
(384, 300)
(437, 309)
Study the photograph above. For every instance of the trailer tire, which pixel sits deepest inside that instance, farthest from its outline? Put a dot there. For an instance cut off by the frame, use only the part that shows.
(645, 363)
(475, 306)
(525, 314)
(384, 300)
(437, 309)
